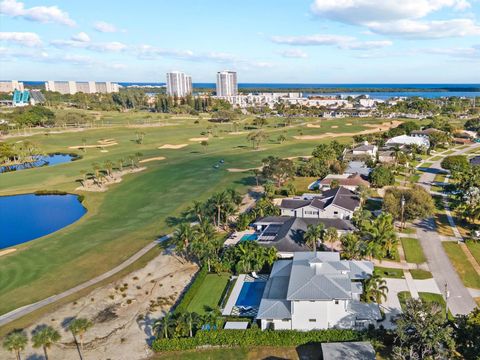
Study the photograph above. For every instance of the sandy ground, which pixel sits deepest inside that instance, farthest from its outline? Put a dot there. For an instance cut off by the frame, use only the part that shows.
(349, 124)
(122, 312)
(238, 132)
(334, 126)
(237, 170)
(314, 126)
(299, 157)
(198, 139)
(115, 178)
(100, 143)
(374, 128)
(173, 147)
(152, 159)
(7, 251)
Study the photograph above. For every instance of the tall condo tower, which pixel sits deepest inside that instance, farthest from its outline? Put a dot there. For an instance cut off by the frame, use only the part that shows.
(178, 84)
(227, 83)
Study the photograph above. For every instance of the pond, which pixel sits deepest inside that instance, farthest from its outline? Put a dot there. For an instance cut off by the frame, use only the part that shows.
(48, 160)
(30, 216)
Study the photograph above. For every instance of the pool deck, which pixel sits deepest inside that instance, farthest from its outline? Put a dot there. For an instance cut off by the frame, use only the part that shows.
(227, 311)
(237, 236)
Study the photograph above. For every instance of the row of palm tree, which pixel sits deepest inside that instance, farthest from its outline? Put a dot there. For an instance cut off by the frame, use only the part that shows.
(26, 154)
(186, 324)
(45, 336)
(101, 172)
(316, 234)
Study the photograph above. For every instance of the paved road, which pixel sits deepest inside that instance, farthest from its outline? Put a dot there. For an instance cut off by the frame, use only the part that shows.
(25, 310)
(460, 300)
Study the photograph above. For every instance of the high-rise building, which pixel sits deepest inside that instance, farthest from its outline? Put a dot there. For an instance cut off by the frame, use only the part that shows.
(227, 83)
(178, 84)
(87, 87)
(10, 86)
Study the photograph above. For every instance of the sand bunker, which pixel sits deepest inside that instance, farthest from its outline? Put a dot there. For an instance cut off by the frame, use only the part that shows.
(174, 147)
(7, 251)
(314, 126)
(198, 139)
(236, 170)
(100, 144)
(116, 177)
(298, 157)
(374, 128)
(152, 159)
(238, 132)
(349, 124)
(334, 126)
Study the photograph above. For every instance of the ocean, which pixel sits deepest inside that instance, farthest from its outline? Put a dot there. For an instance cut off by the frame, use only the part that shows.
(422, 90)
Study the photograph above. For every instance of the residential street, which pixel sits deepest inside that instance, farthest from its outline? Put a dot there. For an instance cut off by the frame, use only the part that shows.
(460, 301)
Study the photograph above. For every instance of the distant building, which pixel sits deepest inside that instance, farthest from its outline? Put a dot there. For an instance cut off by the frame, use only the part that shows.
(348, 181)
(408, 140)
(10, 86)
(36, 97)
(89, 87)
(178, 84)
(227, 83)
(21, 98)
(365, 149)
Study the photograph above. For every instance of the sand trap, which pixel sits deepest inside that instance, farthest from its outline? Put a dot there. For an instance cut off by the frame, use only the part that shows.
(298, 157)
(334, 126)
(174, 147)
(152, 159)
(236, 170)
(349, 124)
(314, 126)
(6, 252)
(374, 128)
(115, 178)
(238, 132)
(101, 144)
(198, 139)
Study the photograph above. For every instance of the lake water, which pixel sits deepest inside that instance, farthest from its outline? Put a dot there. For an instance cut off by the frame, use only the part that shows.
(29, 216)
(49, 160)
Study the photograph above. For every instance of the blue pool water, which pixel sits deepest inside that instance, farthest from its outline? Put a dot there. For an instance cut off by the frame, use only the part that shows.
(48, 160)
(29, 216)
(251, 293)
(249, 237)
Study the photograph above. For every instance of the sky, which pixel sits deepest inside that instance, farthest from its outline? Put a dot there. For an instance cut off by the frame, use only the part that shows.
(265, 41)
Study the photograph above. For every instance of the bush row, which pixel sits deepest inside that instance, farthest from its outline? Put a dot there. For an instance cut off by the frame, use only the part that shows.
(192, 291)
(257, 337)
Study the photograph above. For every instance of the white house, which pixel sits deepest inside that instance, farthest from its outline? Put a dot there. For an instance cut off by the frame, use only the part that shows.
(365, 149)
(408, 140)
(334, 203)
(316, 290)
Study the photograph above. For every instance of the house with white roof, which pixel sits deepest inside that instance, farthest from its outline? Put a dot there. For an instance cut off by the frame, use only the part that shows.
(403, 140)
(317, 290)
(365, 149)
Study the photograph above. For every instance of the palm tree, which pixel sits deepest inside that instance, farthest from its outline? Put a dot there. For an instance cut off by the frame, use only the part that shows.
(84, 177)
(363, 193)
(382, 232)
(44, 337)
(182, 237)
(218, 201)
(198, 209)
(331, 237)
(374, 289)
(79, 327)
(162, 327)
(270, 255)
(204, 145)
(351, 247)
(15, 342)
(108, 165)
(313, 234)
(256, 173)
(84, 143)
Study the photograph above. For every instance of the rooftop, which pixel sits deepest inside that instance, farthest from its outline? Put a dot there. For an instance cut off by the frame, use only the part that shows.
(348, 350)
(340, 196)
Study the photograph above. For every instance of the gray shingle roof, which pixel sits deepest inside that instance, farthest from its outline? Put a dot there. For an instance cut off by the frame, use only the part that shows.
(340, 196)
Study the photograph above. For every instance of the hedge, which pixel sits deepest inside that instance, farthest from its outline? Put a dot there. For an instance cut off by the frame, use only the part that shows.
(192, 291)
(257, 337)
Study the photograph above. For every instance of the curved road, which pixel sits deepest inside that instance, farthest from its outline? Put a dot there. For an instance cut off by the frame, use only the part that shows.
(25, 310)
(460, 301)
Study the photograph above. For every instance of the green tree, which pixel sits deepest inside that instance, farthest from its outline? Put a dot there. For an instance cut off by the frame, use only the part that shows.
(381, 232)
(331, 237)
(374, 289)
(422, 332)
(455, 163)
(418, 203)
(45, 337)
(382, 176)
(278, 170)
(16, 341)
(182, 237)
(281, 138)
(78, 327)
(313, 235)
(467, 334)
(351, 247)
(204, 145)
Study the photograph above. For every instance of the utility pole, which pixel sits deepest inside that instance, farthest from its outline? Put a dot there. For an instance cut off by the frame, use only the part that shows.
(402, 203)
(447, 295)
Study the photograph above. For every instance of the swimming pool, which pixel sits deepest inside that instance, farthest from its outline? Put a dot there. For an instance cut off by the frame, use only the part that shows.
(249, 237)
(251, 293)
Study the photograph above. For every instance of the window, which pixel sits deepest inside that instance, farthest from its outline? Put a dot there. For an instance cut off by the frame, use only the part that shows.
(335, 212)
(312, 320)
(336, 302)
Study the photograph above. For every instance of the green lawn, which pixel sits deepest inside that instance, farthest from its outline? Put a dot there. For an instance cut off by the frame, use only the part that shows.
(420, 274)
(426, 165)
(464, 269)
(436, 158)
(133, 213)
(409, 230)
(301, 183)
(413, 250)
(403, 297)
(474, 247)
(389, 272)
(209, 293)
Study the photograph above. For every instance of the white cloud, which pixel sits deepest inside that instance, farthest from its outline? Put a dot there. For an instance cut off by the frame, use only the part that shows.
(29, 39)
(341, 42)
(427, 29)
(105, 27)
(113, 46)
(400, 18)
(364, 11)
(81, 37)
(42, 14)
(294, 53)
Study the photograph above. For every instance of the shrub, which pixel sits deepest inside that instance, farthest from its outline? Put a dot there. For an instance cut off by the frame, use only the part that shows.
(192, 291)
(256, 337)
(382, 176)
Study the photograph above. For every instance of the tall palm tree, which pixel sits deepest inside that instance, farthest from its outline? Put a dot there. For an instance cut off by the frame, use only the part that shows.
(313, 234)
(218, 201)
(44, 337)
(270, 255)
(182, 237)
(108, 165)
(198, 209)
(78, 327)
(382, 232)
(351, 247)
(163, 327)
(331, 237)
(16, 341)
(374, 289)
